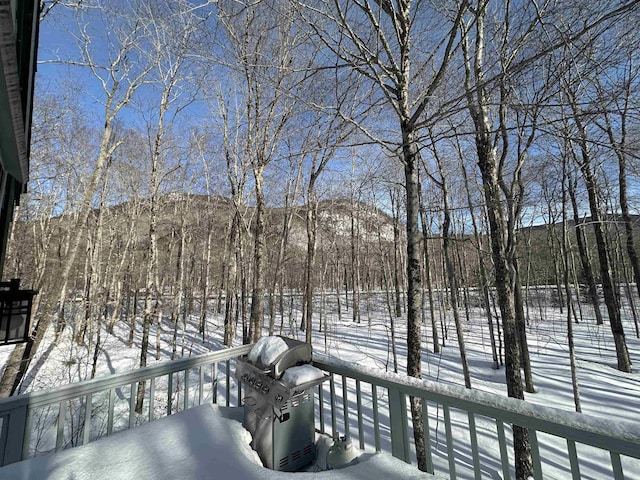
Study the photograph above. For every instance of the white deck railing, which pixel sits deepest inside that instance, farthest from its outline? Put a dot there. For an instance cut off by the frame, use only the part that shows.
(52, 420)
(369, 407)
(477, 442)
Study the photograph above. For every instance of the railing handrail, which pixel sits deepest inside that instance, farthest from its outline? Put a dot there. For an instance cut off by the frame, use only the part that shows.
(623, 438)
(74, 390)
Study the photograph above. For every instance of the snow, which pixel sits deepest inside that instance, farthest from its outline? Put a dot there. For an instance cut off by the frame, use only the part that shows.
(267, 350)
(202, 442)
(302, 374)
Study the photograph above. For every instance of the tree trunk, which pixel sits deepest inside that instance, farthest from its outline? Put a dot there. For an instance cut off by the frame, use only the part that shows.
(414, 297)
(427, 273)
(505, 292)
(311, 224)
(205, 286)
(453, 298)
(483, 280)
(567, 287)
(355, 261)
(257, 297)
(504, 276)
(587, 271)
(522, 330)
(396, 247)
(450, 272)
(608, 289)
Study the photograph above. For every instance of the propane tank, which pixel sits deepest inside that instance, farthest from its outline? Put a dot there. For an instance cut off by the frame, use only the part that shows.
(341, 454)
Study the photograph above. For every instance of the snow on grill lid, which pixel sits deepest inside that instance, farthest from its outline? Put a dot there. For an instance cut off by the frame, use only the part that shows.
(267, 350)
(301, 374)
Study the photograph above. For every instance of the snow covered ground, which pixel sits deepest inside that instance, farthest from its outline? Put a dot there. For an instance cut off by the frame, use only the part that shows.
(604, 391)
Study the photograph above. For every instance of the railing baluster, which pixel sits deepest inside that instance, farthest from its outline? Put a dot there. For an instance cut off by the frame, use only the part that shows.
(112, 397)
(214, 382)
(27, 434)
(228, 400)
(152, 397)
(13, 433)
(186, 389)
(504, 456)
(321, 406)
(573, 459)
(87, 419)
(427, 436)
(201, 385)
(62, 416)
(617, 466)
(376, 417)
(170, 394)
(332, 389)
(132, 403)
(239, 384)
(449, 435)
(535, 454)
(473, 434)
(345, 406)
(359, 408)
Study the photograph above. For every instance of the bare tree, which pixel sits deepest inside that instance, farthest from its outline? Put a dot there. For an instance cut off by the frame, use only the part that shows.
(320, 146)
(619, 115)
(172, 29)
(262, 42)
(118, 79)
(375, 38)
(450, 273)
(584, 161)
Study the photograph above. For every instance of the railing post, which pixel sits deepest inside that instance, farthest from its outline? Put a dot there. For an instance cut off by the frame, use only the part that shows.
(214, 382)
(399, 425)
(13, 435)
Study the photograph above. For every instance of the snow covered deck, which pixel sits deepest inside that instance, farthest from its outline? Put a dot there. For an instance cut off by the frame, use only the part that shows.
(203, 442)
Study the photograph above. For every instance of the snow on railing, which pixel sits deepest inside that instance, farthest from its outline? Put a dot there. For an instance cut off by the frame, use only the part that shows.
(477, 437)
(72, 415)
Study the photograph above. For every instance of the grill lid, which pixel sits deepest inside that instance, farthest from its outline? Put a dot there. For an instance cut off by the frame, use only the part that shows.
(276, 353)
(263, 368)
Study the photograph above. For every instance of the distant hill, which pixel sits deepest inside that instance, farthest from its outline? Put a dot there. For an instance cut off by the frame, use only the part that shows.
(187, 223)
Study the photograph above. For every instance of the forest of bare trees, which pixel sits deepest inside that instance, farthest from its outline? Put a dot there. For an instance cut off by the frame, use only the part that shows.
(190, 157)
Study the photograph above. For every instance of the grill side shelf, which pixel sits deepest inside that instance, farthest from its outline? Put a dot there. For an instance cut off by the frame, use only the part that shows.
(300, 389)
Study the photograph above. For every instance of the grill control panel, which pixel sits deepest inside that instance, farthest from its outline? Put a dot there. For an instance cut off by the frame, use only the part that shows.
(270, 390)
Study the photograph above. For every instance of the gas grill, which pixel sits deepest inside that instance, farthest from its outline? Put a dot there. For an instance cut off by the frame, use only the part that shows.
(279, 415)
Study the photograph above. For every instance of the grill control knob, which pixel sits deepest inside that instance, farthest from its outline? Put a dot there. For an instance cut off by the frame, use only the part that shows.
(279, 398)
(265, 389)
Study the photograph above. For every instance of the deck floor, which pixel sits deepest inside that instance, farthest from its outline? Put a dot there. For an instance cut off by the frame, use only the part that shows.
(202, 442)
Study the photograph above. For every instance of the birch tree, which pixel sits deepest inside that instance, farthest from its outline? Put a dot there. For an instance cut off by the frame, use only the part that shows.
(172, 28)
(450, 274)
(118, 70)
(262, 44)
(509, 31)
(583, 158)
(380, 39)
